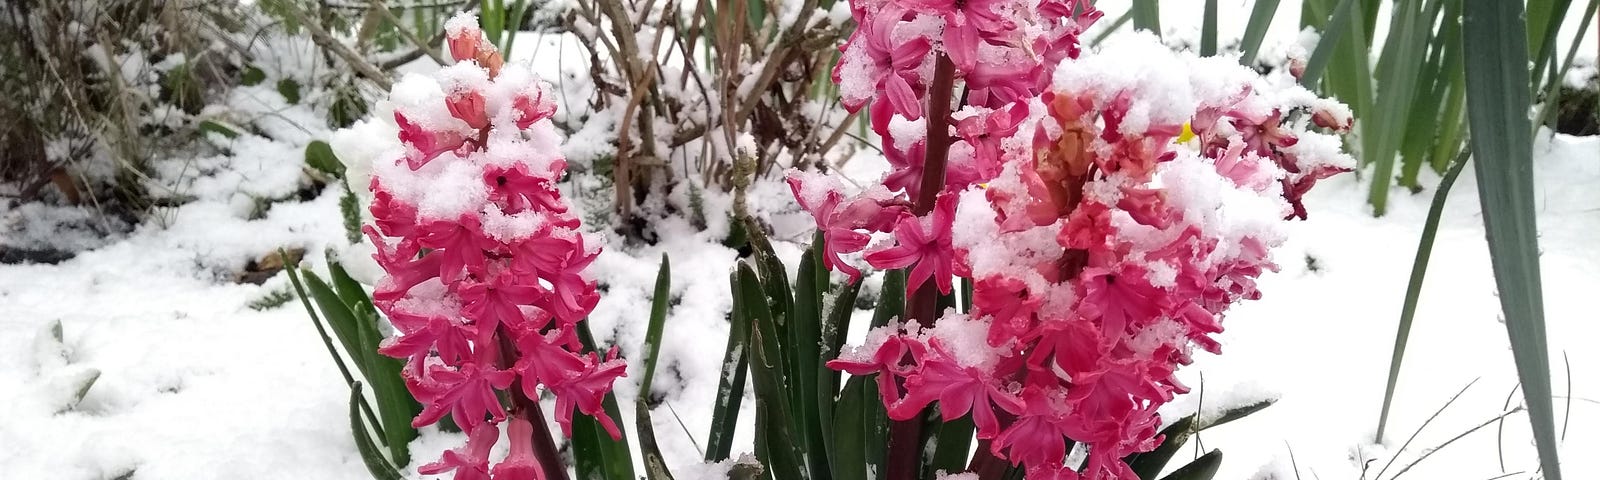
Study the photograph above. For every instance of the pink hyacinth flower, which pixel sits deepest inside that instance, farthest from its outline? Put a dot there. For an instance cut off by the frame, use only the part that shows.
(470, 461)
(923, 245)
(520, 464)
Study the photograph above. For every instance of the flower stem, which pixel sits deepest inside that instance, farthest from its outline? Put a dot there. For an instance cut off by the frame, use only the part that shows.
(905, 436)
(544, 447)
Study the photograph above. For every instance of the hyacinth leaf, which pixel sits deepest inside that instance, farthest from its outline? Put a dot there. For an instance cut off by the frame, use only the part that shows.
(371, 455)
(805, 342)
(1338, 24)
(841, 305)
(1147, 16)
(1112, 28)
(730, 387)
(395, 405)
(1203, 468)
(777, 444)
(338, 361)
(1419, 271)
(891, 298)
(953, 439)
(655, 467)
(320, 157)
(595, 454)
(340, 318)
(1256, 30)
(1149, 464)
(1498, 99)
(1397, 75)
(1208, 29)
(1443, 60)
(1544, 19)
(861, 431)
(1228, 416)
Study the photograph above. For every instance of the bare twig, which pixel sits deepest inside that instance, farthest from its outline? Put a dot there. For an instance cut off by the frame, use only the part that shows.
(327, 42)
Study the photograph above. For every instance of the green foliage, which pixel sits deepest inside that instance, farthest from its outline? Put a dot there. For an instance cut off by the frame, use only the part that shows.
(319, 156)
(654, 464)
(347, 310)
(290, 89)
(1498, 99)
(597, 456)
(1256, 29)
(371, 455)
(272, 299)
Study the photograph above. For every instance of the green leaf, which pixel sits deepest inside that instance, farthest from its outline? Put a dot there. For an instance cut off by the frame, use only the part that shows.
(320, 156)
(1544, 19)
(371, 455)
(776, 440)
(252, 76)
(1338, 25)
(1397, 72)
(860, 431)
(595, 454)
(1256, 29)
(1502, 144)
(1443, 63)
(953, 440)
(1208, 29)
(1232, 414)
(1203, 468)
(340, 318)
(805, 340)
(1419, 271)
(1149, 464)
(891, 298)
(395, 405)
(1147, 16)
(218, 128)
(834, 332)
(654, 463)
(350, 209)
(290, 90)
(730, 387)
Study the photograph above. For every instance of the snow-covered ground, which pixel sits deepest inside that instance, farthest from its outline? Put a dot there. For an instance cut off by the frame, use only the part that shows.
(195, 384)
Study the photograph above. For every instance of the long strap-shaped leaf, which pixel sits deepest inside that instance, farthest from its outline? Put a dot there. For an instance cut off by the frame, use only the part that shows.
(1419, 271)
(1502, 144)
(655, 466)
(1256, 30)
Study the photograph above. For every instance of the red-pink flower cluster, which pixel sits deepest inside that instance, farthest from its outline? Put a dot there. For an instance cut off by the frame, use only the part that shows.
(1102, 250)
(485, 266)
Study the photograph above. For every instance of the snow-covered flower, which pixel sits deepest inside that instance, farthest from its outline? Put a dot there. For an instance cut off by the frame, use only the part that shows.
(1101, 249)
(485, 266)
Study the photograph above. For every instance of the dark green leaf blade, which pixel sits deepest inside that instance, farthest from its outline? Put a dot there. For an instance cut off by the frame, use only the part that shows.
(655, 465)
(371, 455)
(1502, 144)
(730, 387)
(1203, 468)
(595, 453)
(1256, 30)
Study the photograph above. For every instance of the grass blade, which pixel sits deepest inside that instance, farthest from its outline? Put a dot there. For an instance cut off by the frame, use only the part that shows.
(730, 388)
(1256, 30)
(1502, 143)
(655, 466)
(1208, 29)
(1146, 16)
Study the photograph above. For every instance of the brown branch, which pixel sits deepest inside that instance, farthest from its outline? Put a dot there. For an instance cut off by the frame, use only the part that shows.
(328, 43)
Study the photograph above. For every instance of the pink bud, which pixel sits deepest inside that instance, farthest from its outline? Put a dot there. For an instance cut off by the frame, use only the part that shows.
(467, 105)
(464, 40)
